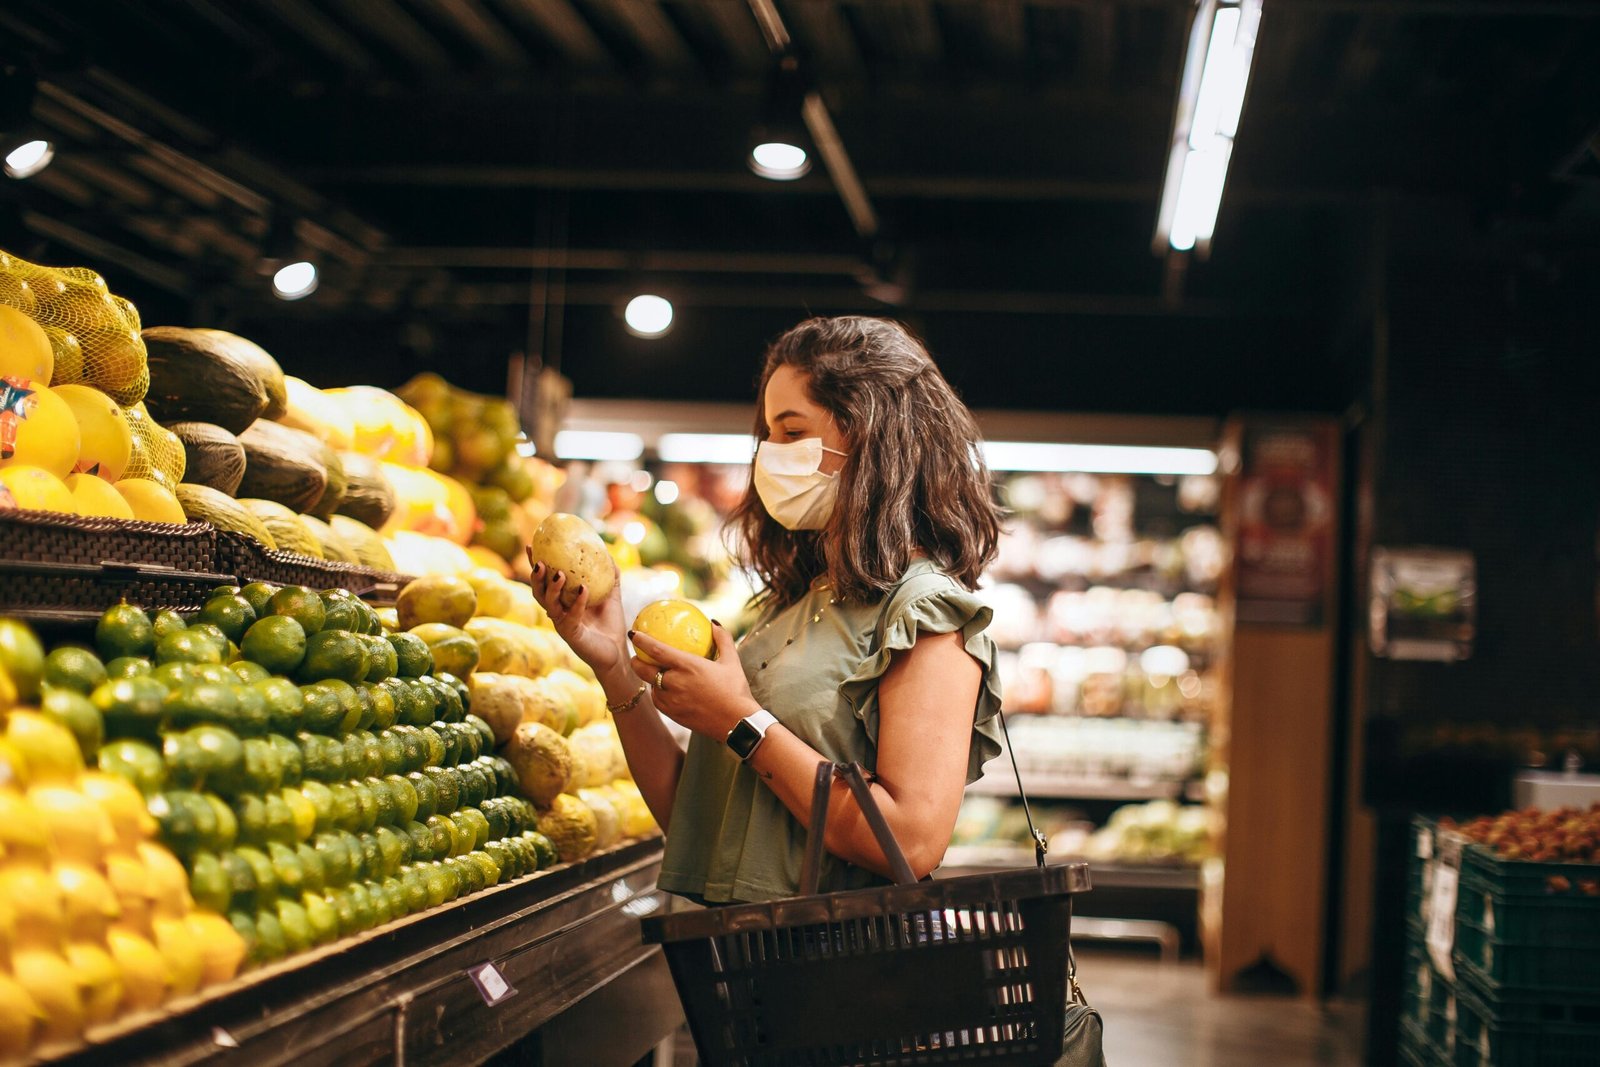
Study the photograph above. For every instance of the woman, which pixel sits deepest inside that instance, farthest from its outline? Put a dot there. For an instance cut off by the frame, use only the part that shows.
(869, 519)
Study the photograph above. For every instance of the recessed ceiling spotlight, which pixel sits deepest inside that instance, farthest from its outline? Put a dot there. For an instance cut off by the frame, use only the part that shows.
(648, 315)
(295, 281)
(29, 158)
(780, 161)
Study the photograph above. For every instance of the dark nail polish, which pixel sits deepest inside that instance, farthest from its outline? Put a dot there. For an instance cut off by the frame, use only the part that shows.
(630, 635)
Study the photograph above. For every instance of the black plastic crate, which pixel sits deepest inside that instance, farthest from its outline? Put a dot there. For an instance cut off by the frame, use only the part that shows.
(1492, 1032)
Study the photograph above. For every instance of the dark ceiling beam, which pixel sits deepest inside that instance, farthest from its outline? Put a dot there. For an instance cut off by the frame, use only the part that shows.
(1006, 29)
(651, 31)
(102, 250)
(1099, 50)
(394, 26)
(908, 186)
(741, 38)
(848, 298)
(480, 28)
(601, 259)
(559, 23)
(909, 26)
(827, 41)
(136, 123)
(322, 33)
(1398, 8)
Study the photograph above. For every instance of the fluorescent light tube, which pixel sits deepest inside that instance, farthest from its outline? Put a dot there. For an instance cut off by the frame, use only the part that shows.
(1200, 195)
(598, 444)
(733, 448)
(1211, 96)
(1097, 459)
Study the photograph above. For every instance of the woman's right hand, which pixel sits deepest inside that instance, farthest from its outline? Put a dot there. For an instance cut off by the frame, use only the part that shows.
(596, 632)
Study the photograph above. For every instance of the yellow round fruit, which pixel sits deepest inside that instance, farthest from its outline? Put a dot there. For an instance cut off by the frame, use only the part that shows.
(185, 964)
(677, 623)
(169, 883)
(54, 986)
(23, 837)
(493, 589)
(35, 900)
(100, 978)
(79, 830)
(47, 748)
(130, 881)
(95, 496)
(105, 439)
(86, 900)
(151, 501)
(34, 489)
(114, 356)
(68, 356)
(14, 288)
(222, 950)
(131, 821)
(37, 428)
(18, 1017)
(145, 976)
(25, 350)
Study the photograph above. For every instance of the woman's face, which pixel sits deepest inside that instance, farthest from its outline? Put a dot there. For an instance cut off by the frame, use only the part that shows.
(793, 416)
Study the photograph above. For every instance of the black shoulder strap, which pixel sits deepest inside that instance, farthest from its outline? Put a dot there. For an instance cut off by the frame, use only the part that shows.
(921, 585)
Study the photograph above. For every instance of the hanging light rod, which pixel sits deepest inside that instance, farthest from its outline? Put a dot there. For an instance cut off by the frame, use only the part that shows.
(1216, 74)
(819, 124)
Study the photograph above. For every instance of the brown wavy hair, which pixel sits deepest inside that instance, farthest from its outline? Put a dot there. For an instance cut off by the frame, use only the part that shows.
(914, 481)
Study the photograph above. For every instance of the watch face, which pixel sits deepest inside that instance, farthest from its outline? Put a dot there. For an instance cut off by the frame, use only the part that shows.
(744, 739)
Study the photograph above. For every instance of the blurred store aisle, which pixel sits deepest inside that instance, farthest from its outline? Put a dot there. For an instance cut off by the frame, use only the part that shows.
(1160, 1015)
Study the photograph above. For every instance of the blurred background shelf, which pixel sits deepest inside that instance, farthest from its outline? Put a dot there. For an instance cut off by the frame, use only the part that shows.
(1051, 787)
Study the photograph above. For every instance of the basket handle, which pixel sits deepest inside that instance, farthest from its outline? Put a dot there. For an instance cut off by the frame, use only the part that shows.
(811, 868)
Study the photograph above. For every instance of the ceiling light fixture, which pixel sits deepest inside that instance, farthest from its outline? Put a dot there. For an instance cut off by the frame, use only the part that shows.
(295, 281)
(598, 444)
(648, 315)
(29, 158)
(729, 448)
(1097, 459)
(26, 149)
(1216, 75)
(780, 161)
(778, 149)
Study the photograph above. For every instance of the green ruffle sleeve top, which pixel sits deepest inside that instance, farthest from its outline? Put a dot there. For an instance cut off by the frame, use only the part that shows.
(816, 666)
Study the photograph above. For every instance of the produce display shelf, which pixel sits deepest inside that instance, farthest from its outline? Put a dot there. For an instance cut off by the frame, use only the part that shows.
(1174, 876)
(1058, 787)
(566, 942)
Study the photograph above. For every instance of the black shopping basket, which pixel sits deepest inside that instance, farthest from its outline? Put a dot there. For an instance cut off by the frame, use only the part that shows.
(959, 970)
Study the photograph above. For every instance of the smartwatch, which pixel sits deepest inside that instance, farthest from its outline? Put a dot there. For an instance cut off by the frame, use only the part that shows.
(751, 730)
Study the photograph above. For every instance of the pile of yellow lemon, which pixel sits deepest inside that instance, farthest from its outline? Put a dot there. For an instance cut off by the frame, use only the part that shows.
(71, 447)
(96, 917)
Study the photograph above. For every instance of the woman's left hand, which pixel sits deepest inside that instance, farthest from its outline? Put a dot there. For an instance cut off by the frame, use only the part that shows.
(707, 696)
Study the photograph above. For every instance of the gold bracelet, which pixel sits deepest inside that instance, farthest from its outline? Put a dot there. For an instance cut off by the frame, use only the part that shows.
(627, 705)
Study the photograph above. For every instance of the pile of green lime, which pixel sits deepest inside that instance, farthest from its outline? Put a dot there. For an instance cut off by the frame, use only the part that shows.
(314, 774)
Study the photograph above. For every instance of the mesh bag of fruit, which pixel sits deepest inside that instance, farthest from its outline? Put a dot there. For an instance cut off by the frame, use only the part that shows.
(94, 334)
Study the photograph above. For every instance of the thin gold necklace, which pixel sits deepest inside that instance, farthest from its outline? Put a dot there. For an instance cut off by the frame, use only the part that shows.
(815, 618)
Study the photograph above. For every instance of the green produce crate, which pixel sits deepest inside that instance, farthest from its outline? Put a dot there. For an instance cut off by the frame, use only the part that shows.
(1416, 1050)
(1525, 878)
(1491, 1033)
(1527, 967)
(1529, 928)
(1429, 997)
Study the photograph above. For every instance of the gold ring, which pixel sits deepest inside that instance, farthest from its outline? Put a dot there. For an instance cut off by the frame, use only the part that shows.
(661, 679)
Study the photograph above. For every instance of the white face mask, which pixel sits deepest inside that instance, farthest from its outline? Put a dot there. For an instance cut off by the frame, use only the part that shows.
(792, 487)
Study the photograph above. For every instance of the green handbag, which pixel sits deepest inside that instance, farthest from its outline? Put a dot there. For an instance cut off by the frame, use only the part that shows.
(1083, 1030)
(1081, 1035)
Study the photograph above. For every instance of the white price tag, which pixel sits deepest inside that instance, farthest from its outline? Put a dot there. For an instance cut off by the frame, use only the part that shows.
(1442, 918)
(491, 984)
(222, 1039)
